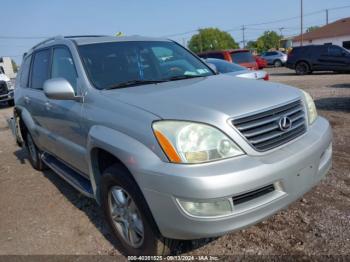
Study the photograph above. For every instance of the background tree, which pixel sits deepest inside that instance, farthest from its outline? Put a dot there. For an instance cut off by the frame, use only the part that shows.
(312, 28)
(251, 45)
(14, 66)
(269, 40)
(211, 39)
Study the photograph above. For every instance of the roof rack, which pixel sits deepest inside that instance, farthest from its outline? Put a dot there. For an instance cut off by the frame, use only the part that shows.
(82, 36)
(61, 37)
(46, 41)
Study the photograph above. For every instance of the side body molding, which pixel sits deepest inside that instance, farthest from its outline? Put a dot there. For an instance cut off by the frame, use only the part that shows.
(133, 154)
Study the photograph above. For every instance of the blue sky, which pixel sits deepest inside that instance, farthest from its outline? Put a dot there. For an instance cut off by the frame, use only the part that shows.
(41, 18)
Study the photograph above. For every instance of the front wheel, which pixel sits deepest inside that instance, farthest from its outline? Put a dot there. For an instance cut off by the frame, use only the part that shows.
(128, 215)
(11, 102)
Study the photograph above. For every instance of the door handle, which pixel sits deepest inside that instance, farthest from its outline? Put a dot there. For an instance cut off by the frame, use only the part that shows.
(26, 100)
(48, 106)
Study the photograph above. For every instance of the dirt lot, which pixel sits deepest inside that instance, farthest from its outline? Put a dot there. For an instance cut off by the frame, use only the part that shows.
(41, 214)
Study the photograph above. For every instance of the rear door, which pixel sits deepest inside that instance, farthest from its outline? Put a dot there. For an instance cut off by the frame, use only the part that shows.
(334, 59)
(34, 97)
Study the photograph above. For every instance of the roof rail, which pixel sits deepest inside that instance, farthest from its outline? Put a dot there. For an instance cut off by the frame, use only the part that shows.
(46, 41)
(82, 36)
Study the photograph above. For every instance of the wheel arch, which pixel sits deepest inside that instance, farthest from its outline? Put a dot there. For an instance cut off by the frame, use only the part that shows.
(107, 146)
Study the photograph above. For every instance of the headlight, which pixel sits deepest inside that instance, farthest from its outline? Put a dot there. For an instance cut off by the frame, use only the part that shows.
(188, 142)
(311, 108)
(10, 86)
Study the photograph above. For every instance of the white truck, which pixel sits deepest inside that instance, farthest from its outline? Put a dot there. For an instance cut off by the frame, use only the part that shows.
(6, 88)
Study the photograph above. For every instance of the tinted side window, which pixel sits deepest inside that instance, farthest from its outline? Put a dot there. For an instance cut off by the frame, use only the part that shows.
(334, 51)
(25, 72)
(242, 57)
(40, 70)
(63, 66)
(216, 55)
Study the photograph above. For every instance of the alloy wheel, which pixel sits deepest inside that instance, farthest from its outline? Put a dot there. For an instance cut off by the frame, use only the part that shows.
(126, 216)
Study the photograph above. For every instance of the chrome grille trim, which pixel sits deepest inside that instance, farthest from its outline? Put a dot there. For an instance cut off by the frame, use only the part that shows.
(262, 130)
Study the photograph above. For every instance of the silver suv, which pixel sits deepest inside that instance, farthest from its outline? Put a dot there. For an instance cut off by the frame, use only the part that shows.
(169, 149)
(275, 58)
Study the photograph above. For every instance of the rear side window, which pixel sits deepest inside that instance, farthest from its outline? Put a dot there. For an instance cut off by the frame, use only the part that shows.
(242, 57)
(216, 55)
(40, 70)
(63, 66)
(25, 71)
(335, 51)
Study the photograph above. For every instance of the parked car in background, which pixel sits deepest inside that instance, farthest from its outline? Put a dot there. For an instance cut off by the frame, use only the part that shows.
(6, 88)
(233, 69)
(168, 148)
(275, 58)
(306, 59)
(261, 62)
(242, 57)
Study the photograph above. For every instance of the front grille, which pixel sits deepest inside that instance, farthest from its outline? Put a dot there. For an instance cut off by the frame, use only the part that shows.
(252, 194)
(263, 131)
(3, 88)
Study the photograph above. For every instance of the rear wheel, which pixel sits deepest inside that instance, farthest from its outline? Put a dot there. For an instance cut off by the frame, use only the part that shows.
(277, 63)
(128, 215)
(302, 68)
(34, 154)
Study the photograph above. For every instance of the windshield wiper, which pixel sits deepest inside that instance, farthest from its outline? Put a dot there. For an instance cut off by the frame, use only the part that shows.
(134, 83)
(181, 77)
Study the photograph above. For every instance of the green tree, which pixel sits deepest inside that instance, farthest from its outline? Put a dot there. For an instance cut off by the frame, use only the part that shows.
(211, 39)
(14, 66)
(251, 45)
(312, 28)
(269, 40)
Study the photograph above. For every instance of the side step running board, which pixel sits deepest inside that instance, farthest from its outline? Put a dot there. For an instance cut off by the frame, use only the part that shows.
(76, 180)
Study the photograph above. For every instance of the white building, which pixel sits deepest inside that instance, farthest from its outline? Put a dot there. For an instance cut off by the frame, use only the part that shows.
(336, 33)
(6, 67)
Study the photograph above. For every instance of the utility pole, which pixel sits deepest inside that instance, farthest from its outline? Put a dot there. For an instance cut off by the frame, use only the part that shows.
(326, 16)
(301, 23)
(243, 35)
(281, 35)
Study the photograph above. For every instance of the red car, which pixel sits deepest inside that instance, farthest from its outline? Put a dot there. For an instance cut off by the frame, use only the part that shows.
(261, 62)
(242, 57)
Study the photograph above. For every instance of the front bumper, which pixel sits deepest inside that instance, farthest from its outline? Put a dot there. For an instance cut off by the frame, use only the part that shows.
(6, 97)
(296, 168)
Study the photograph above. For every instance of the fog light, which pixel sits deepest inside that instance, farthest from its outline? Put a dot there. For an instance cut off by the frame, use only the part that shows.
(213, 208)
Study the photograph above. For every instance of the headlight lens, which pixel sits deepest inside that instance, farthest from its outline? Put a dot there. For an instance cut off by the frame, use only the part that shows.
(10, 86)
(311, 108)
(188, 142)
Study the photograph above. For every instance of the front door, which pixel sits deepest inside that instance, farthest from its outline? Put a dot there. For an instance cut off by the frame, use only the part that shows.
(64, 121)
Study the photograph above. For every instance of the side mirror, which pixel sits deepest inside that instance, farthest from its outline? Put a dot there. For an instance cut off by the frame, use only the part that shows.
(59, 89)
(213, 67)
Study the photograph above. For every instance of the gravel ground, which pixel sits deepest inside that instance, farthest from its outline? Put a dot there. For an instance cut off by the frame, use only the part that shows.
(41, 214)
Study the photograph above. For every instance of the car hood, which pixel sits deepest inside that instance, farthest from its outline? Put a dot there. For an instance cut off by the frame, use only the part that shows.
(205, 98)
(4, 77)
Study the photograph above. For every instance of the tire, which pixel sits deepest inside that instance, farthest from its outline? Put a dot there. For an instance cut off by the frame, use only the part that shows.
(34, 154)
(117, 181)
(277, 63)
(302, 68)
(11, 102)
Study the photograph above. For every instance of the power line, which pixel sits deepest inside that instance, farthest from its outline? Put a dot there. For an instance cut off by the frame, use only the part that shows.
(23, 37)
(269, 22)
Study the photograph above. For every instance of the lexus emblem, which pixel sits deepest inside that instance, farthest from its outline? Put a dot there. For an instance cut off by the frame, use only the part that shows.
(285, 123)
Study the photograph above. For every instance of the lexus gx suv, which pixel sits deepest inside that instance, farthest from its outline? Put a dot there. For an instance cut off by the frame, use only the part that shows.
(169, 149)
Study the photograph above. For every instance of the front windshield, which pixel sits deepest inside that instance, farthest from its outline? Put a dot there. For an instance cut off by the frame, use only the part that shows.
(112, 64)
(225, 67)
